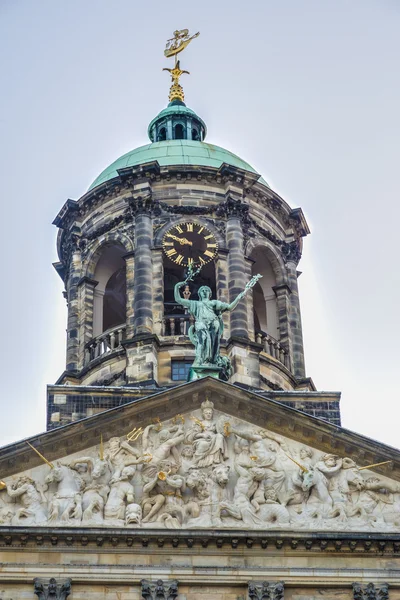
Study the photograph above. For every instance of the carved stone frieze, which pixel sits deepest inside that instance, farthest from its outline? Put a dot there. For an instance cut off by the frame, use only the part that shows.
(370, 591)
(159, 590)
(52, 590)
(265, 590)
(178, 209)
(290, 251)
(140, 205)
(203, 470)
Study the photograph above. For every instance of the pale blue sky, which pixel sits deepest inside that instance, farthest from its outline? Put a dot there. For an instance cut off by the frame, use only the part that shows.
(307, 91)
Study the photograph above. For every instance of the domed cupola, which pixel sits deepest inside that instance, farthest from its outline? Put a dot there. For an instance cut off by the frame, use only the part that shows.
(177, 122)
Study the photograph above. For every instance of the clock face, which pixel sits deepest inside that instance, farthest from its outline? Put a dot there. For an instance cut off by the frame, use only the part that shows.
(190, 244)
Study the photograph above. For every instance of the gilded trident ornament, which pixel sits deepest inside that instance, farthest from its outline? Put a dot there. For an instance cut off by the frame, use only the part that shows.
(174, 46)
(135, 434)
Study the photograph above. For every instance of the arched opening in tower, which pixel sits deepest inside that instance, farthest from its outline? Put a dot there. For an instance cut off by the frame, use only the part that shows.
(109, 305)
(264, 299)
(179, 131)
(162, 135)
(176, 318)
(195, 135)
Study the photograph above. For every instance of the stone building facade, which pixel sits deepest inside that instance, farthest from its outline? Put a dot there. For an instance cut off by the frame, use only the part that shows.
(148, 486)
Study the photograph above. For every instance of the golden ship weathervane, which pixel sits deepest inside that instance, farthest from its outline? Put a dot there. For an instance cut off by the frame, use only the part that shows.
(173, 47)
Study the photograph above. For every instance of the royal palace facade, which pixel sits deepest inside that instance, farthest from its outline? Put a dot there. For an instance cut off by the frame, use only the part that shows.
(187, 454)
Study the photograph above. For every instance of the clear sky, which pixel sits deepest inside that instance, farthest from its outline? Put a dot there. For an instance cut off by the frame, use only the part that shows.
(306, 91)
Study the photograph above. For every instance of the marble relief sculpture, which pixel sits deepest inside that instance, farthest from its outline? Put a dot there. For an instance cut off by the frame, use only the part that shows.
(203, 470)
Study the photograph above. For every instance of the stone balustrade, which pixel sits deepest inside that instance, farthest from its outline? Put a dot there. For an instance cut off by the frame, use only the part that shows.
(177, 324)
(273, 347)
(105, 343)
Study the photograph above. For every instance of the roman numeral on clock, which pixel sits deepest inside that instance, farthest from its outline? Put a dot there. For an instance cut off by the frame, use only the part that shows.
(171, 252)
(178, 228)
(209, 253)
(189, 226)
(179, 259)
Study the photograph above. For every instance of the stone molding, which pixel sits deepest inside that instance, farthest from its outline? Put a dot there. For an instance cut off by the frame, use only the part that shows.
(287, 542)
(52, 590)
(370, 591)
(159, 590)
(265, 590)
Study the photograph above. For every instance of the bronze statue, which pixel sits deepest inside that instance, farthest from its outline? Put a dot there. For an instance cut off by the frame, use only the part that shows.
(208, 327)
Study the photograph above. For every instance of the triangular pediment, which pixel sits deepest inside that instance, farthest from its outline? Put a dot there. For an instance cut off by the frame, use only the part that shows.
(203, 455)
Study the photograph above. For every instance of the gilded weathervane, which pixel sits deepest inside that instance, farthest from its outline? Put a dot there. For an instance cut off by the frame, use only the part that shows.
(174, 46)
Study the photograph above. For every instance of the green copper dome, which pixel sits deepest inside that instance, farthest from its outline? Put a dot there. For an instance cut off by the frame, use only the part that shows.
(177, 134)
(175, 152)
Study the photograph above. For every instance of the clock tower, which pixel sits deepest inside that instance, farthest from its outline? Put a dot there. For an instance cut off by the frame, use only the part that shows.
(175, 204)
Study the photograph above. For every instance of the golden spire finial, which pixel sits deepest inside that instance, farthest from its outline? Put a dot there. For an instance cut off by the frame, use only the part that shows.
(174, 46)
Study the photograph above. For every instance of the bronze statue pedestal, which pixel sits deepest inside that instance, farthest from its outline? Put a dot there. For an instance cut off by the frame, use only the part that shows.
(204, 371)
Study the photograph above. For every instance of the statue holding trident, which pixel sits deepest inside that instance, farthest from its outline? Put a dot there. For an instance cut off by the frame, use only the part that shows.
(208, 327)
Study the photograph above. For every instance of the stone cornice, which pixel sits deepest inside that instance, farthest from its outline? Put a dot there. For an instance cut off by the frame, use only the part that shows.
(243, 541)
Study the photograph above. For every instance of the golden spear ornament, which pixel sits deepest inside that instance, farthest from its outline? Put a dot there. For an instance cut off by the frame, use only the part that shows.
(44, 459)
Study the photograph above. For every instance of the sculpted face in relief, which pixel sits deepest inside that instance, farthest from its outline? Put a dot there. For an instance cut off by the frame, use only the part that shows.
(203, 470)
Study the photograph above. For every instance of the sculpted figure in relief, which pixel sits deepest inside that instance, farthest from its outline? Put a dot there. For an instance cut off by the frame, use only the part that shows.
(121, 494)
(205, 472)
(207, 438)
(96, 474)
(209, 495)
(66, 503)
(164, 491)
(26, 491)
(163, 448)
(120, 454)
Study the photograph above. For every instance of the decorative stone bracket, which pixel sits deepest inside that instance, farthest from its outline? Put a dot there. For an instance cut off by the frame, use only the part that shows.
(266, 590)
(370, 592)
(159, 590)
(52, 590)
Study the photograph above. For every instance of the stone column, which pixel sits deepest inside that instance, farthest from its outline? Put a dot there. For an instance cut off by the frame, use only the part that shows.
(236, 274)
(143, 276)
(73, 307)
(283, 294)
(249, 300)
(52, 589)
(142, 348)
(130, 294)
(221, 276)
(298, 365)
(158, 290)
(86, 287)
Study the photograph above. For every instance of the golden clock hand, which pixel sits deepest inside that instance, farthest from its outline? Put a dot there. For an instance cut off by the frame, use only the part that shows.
(185, 241)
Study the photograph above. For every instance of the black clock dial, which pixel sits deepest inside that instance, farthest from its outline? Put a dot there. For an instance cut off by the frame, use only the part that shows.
(190, 244)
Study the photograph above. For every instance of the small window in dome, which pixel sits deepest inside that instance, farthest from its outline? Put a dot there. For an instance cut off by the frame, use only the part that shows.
(195, 135)
(162, 135)
(179, 132)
